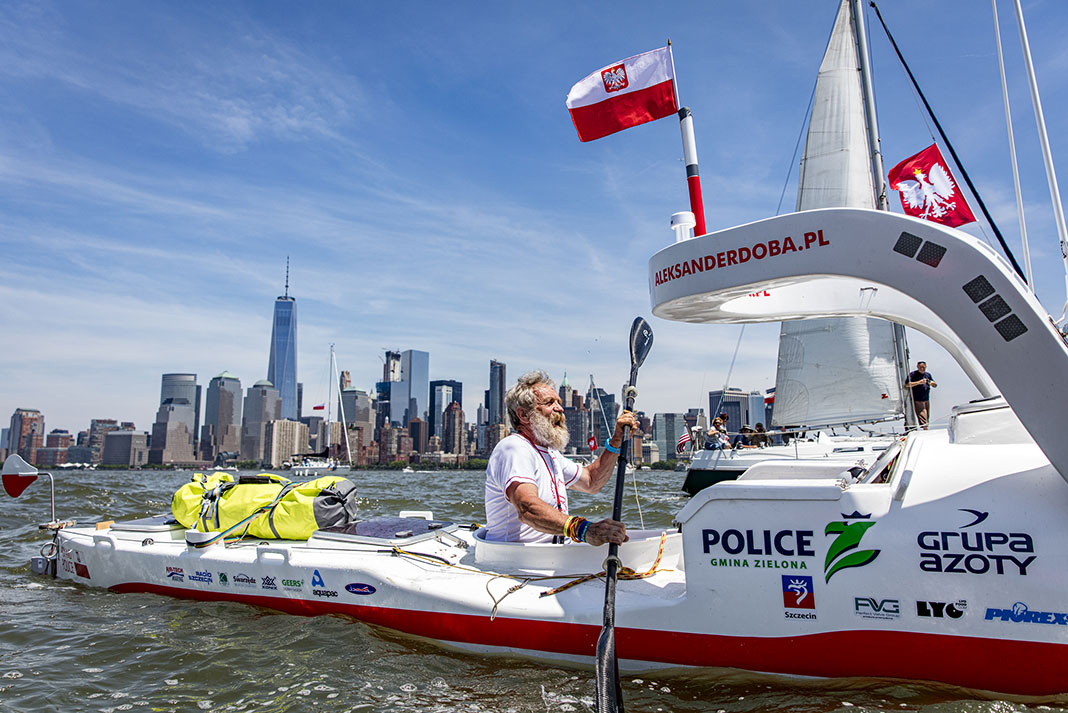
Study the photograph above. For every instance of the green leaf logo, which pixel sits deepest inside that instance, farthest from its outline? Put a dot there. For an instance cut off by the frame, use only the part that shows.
(843, 552)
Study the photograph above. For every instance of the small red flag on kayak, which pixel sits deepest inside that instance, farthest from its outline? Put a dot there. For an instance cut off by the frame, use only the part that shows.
(633, 91)
(928, 190)
(592, 443)
(15, 483)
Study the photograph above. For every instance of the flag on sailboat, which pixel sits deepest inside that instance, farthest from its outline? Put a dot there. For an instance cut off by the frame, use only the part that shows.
(769, 396)
(318, 407)
(928, 190)
(627, 93)
(683, 440)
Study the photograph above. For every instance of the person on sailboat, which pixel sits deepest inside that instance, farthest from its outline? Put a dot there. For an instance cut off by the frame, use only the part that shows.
(744, 439)
(760, 438)
(527, 476)
(921, 382)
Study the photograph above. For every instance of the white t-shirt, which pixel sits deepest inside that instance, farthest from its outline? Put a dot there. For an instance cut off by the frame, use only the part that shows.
(516, 460)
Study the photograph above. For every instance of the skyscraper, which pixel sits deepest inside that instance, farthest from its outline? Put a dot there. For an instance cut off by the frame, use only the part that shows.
(282, 367)
(98, 429)
(384, 389)
(442, 393)
(26, 433)
(409, 397)
(741, 407)
(452, 439)
(222, 417)
(262, 404)
(172, 437)
(178, 386)
(497, 389)
(667, 428)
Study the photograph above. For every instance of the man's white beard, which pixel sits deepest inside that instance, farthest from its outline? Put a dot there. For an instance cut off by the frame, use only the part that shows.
(548, 434)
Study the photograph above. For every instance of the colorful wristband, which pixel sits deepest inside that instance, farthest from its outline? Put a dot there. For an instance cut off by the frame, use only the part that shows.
(610, 448)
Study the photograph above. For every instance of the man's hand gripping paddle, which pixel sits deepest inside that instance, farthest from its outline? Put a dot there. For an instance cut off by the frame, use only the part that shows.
(609, 692)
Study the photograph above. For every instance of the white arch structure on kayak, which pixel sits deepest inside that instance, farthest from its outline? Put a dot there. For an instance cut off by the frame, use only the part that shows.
(839, 262)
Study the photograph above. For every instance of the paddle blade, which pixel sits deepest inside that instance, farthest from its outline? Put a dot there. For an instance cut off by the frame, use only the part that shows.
(609, 698)
(14, 483)
(641, 339)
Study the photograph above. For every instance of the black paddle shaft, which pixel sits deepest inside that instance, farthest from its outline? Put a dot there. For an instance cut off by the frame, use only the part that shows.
(609, 690)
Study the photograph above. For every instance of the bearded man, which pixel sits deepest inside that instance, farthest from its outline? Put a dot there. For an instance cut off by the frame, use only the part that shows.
(527, 476)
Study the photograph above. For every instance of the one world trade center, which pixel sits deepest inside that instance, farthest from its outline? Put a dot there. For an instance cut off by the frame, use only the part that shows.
(282, 367)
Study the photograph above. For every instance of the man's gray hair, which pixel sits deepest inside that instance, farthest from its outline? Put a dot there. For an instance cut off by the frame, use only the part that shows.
(521, 398)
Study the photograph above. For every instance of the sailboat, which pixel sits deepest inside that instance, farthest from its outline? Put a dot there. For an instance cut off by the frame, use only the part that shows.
(314, 464)
(832, 372)
(945, 560)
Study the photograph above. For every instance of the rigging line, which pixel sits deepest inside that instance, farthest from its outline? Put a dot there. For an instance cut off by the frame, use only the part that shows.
(952, 151)
(797, 145)
(1012, 151)
(730, 370)
(934, 139)
(804, 123)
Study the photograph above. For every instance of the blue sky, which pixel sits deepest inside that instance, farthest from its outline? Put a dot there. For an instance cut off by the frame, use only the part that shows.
(159, 161)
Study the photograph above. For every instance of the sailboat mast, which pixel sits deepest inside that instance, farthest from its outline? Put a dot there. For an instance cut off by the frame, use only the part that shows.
(879, 181)
(340, 406)
(1043, 137)
(874, 145)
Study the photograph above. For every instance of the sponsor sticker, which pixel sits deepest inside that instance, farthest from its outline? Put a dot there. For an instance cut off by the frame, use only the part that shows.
(942, 610)
(176, 574)
(223, 579)
(244, 580)
(201, 576)
(268, 582)
(978, 551)
(843, 552)
(1019, 613)
(360, 588)
(791, 549)
(762, 549)
(874, 608)
(71, 561)
(798, 593)
(317, 579)
(293, 585)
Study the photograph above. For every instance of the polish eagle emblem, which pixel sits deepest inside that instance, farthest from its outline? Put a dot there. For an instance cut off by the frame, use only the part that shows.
(932, 194)
(615, 78)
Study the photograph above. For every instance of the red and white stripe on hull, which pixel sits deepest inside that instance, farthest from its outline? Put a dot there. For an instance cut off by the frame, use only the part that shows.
(1015, 667)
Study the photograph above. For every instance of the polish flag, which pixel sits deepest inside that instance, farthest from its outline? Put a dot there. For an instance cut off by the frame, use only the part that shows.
(928, 190)
(630, 92)
(319, 407)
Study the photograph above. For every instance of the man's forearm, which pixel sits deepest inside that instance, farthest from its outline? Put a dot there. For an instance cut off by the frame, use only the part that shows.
(601, 469)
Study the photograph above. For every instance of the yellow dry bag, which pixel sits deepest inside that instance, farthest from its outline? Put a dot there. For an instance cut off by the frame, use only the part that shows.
(266, 506)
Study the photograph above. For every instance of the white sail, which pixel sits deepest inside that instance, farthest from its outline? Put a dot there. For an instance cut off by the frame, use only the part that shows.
(837, 371)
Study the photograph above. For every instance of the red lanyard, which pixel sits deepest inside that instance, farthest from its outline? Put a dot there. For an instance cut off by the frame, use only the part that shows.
(552, 473)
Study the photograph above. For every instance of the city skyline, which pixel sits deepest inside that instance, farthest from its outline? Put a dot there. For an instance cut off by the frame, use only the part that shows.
(419, 165)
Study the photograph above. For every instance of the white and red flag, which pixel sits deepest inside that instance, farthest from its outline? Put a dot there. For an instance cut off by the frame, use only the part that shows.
(592, 443)
(928, 190)
(319, 407)
(624, 94)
